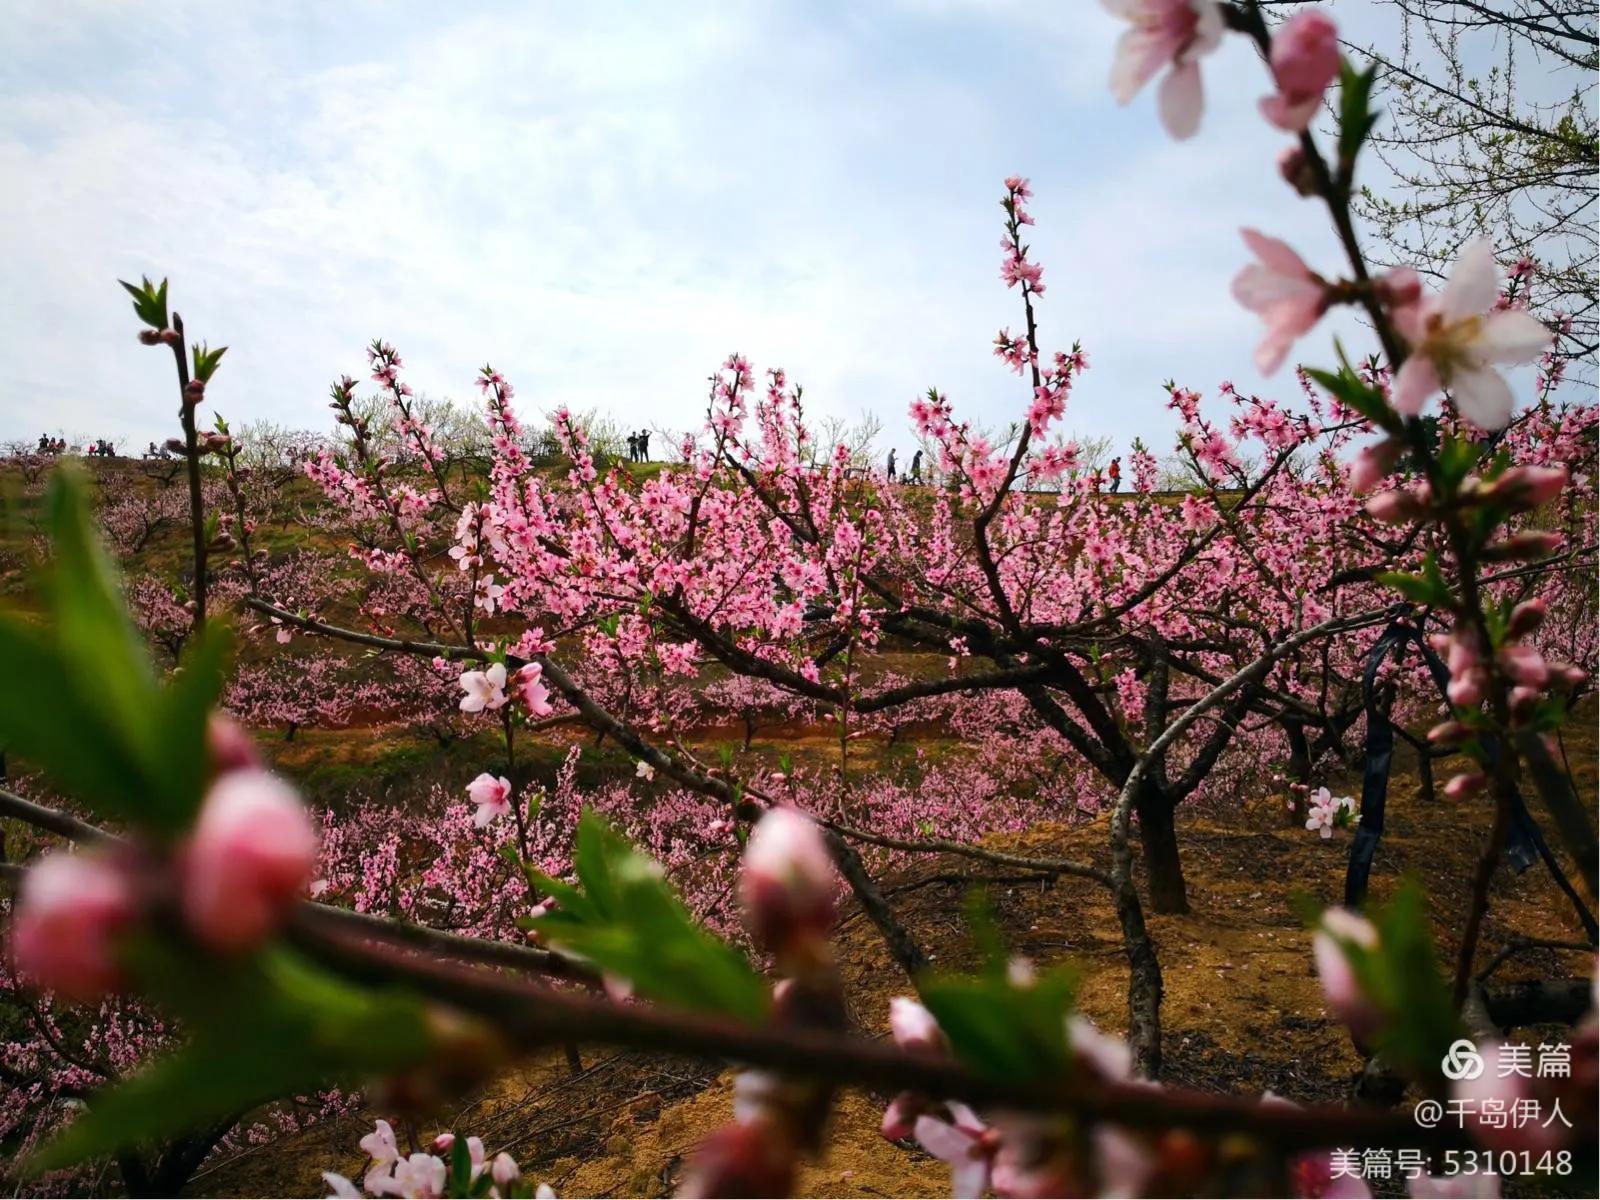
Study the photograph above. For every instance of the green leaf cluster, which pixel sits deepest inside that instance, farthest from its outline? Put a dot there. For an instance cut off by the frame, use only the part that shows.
(624, 917)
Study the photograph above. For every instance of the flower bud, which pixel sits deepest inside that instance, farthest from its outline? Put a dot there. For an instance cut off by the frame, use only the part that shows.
(251, 854)
(150, 337)
(1296, 171)
(1465, 785)
(1448, 733)
(1398, 289)
(69, 911)
(1529, 544)
(1466, 690)
(1526, 617)
(503, 1170)
(914, 1027)
(1525, 666)
(787, 883)
(1525, 488)
(1397, 506)
(1304, 59)
(1523, 701)
(1339, 983)
(194, 392)
(747, 1158)
(229, 746)
(1373, 465)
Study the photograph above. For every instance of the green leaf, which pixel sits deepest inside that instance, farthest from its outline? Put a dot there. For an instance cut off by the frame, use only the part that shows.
(1429, 587)
(1005, 1027)
(625, 918)
(91, 713)
(306, 1029)
(1355, 394)
(206, 360)
(1356, 117)
(149, 301)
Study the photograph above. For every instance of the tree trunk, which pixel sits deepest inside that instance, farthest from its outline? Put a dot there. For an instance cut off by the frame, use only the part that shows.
(1144, 985)
(1158, 835)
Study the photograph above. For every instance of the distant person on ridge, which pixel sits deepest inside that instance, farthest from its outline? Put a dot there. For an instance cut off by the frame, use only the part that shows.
(891, 466)
(1115, 474)
(644, 445)
(916, 467)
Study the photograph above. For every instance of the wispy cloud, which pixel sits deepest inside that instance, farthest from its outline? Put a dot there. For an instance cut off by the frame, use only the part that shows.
(605, 200)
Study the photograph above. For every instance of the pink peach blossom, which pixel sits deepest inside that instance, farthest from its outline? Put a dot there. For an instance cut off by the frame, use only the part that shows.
(1166, 33)
(70, 909)
(1304, 60)
(1457, 339)
(251, 854)
(1283, 291)
(492, 795)
(484, 689)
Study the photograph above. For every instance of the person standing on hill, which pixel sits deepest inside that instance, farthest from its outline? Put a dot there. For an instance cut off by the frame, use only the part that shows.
(916, 467)
(644, 445)
(1114, 474)
(890, 468)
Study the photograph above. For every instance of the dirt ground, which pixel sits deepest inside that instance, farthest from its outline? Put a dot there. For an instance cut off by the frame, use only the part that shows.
(1242, 1011)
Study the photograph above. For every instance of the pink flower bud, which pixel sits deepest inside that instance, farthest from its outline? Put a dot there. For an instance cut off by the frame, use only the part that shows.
(1526, 617)
(900, 1118)
(1339, 984)
(1399, 289)
(1373, 465)
(1524, 488)
(150, 337)
(1304, 60)
(1529, 544)
(1296, 171)
(70, 909)
(1394, 507)
(251, 854)
(503, 1170)
(1525, 665)
(748, 1158)
(1465, 785)
(787, 883)
(1466, 689)
(914, 1027)
(194, 392)
(1523, 700)
(1448, 733)
(229, 746)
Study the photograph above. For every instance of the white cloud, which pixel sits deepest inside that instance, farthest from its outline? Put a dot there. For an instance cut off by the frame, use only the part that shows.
(604, 201)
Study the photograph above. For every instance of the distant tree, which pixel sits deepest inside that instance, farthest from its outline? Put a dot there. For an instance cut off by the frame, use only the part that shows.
(1490, 129)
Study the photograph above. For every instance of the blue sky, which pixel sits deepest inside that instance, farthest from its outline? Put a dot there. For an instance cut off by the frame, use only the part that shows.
(605, 199)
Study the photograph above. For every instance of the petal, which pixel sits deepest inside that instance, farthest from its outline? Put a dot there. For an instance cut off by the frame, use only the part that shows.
(1140, 54)
(1474, 282)
(1512, 336)
(1181, 101)
(1209, 30)
(970, 1179)
(1483, 397)
(943, 1140)
(1414, 385)
(1277, 255)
